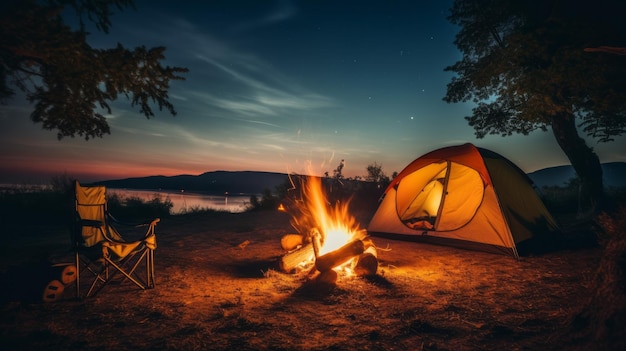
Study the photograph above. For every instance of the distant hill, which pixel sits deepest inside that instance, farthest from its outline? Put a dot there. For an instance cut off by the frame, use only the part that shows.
(614, 175)
(218, 182)
(251, 182)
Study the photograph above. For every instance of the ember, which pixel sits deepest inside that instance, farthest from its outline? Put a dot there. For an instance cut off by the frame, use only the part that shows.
(330, 239)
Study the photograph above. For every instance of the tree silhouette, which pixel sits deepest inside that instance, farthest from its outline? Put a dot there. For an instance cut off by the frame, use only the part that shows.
(376, 174)
(337, 171)
(65, 78)
(525, 66)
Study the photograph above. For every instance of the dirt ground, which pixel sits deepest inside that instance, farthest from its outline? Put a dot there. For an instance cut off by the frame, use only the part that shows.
(212, 294)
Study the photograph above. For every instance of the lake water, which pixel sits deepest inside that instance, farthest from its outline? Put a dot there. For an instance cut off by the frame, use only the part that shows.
(185, 201)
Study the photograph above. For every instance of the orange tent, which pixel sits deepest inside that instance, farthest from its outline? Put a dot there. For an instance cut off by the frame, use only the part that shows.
(464, 196)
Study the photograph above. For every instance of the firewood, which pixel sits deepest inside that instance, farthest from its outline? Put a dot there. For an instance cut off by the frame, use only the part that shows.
(317, 244)
(328, 277)
(341, 255)
(291, 260)
(366, 264)
(244, 244)
(291, 242)
(367, 242)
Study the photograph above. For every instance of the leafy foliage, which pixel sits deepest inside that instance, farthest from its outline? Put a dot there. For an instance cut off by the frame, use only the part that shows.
(65, 78)
(376, 174)
(524, 64)
(133, 208)
(527, 65)
(267, 201)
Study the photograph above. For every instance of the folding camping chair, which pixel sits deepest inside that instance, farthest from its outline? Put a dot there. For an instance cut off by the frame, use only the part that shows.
(100, 249)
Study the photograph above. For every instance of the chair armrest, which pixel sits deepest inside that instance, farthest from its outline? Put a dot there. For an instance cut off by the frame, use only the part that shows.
(91, 223)
(128, 224)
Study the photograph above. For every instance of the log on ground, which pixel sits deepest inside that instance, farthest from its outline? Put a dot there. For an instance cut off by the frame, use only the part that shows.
(291, 242)
(291, 260)
(366, 264)
(340, 256)
(328, 277)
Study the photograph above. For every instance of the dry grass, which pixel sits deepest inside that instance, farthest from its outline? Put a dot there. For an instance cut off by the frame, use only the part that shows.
(213, 295)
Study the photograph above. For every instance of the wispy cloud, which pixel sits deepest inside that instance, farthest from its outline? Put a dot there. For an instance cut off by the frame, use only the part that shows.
(273, 147)
(264, 123)
(231, 78)
(260, 91)
(284, 11)
(241, 106)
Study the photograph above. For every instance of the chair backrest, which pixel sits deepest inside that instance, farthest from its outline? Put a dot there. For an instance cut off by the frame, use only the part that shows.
(91, 207)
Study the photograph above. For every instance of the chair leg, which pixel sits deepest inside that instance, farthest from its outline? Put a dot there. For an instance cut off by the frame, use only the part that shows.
(150, 269)
(101, 278)
(128, 276)
(130, 273)
(128, 267)
(77, 262)
(89, 266)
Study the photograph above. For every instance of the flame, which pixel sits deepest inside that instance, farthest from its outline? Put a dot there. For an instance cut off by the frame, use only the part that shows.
(333, 222)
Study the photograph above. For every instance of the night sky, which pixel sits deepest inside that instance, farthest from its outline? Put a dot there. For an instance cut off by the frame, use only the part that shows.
(277, 86)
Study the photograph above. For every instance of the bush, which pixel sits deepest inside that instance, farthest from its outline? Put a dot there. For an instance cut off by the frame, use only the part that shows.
(34, 206)
(55, 206)
(267, 202)
(133, 208)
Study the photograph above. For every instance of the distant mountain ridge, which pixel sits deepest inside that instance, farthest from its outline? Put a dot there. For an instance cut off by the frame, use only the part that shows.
(217, 182)
(614, 174)
(253, 182)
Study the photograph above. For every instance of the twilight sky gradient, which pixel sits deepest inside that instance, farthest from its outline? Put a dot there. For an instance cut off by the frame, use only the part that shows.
(274, 86)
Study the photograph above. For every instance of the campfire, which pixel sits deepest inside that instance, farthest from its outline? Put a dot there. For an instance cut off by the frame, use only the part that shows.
(329, 240)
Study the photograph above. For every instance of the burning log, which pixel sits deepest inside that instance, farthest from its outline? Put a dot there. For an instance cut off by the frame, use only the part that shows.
(366, 264)
(328, 277)
(316, 238)
(341, 255)
(291, 242)
(291, 260)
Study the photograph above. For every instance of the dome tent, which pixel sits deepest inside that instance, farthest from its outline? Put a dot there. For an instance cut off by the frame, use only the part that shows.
(464, 196)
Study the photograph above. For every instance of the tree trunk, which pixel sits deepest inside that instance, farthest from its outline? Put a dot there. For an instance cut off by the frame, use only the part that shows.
(584, 160)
